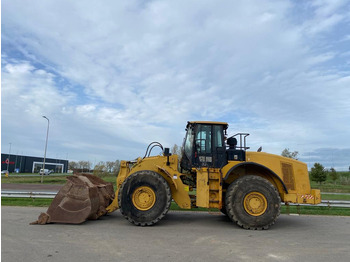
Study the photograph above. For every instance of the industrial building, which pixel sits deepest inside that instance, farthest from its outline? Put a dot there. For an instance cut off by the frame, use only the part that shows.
(31, 164)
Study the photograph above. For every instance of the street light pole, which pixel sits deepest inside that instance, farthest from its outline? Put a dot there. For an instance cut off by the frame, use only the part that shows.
(8, 162)
(47, 136)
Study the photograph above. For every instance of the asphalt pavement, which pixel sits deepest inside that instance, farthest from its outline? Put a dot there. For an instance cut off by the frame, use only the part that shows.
(180, 236)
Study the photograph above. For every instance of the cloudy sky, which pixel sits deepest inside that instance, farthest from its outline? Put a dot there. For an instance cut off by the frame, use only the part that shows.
(113, 76)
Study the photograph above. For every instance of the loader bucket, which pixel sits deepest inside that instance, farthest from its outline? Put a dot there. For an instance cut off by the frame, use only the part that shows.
(83, 197)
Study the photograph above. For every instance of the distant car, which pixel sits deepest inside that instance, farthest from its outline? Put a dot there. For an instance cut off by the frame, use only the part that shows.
(45, 172)
(4, 172)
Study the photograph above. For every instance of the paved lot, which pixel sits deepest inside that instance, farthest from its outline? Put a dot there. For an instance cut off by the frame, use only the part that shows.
(180, 236)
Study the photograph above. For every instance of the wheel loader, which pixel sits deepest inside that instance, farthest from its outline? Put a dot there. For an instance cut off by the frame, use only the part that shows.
(215, 172)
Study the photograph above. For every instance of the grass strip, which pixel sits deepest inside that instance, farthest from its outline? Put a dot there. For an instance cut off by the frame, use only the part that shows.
(331, 187)
(316, 210)
(31, 202)
(335, 197)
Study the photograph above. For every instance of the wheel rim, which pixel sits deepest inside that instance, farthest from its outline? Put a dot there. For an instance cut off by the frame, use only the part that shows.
(143, 198)
(255, 203)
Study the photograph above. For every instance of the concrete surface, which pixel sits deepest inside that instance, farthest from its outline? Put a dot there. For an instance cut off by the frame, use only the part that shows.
(180, 236)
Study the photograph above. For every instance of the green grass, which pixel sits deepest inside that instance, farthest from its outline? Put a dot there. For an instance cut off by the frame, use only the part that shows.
(34, 202)
(111, 179)
(341, 185)
(331, 187)
(315, 210)
(335, 197)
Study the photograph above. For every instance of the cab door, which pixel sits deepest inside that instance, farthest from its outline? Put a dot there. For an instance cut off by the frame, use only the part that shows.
(209, 146)
(203, 146)
(219, 148)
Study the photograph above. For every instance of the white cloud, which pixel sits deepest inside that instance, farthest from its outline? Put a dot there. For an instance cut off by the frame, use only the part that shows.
(26, 87)
(326, 8)
(326, 15)
(120, 75)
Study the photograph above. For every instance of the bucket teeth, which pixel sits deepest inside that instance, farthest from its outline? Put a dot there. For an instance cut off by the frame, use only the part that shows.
(84, 196)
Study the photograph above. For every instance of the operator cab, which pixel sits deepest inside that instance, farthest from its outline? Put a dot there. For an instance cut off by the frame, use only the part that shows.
(204, 145)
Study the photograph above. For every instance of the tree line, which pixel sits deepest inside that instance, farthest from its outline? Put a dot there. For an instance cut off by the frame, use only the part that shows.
(318, 172)
(100, 169)
(106, 168)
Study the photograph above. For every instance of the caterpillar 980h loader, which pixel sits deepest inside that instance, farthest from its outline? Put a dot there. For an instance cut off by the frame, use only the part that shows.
(213, 172)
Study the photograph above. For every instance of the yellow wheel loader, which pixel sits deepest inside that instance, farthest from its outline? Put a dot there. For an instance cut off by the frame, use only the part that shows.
(214, 172)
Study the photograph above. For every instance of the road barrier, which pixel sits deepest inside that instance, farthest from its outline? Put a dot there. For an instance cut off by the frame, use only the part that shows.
(29, 194)
(327, 203)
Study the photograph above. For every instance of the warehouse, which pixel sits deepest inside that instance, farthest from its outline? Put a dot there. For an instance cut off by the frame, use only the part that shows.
(30, 164)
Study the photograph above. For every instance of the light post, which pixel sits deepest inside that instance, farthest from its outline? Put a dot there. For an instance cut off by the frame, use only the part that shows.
(47, 136)
(16, 161)
(8, 162)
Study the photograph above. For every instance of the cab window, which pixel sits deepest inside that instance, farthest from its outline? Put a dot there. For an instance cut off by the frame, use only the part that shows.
(218, 135)
(203, 139)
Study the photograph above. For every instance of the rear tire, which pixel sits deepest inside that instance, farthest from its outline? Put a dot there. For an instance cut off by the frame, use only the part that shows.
(252, 202)
(144, 198)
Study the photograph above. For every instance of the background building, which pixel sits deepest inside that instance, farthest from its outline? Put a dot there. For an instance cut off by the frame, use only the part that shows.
(30, 164)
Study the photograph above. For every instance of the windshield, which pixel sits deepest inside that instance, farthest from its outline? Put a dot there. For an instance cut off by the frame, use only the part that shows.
(188, 145)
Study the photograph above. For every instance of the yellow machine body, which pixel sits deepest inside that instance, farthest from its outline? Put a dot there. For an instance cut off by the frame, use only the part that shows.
(289, 176)
(158, 164)
(214, 172)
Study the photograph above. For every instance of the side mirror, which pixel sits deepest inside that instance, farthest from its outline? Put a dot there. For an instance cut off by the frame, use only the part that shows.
(166, 151)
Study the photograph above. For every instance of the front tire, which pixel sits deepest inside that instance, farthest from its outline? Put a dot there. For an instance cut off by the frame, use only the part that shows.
(144, 198)
(252, 202)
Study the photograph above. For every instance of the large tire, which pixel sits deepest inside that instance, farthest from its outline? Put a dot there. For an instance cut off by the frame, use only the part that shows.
(144, 198)
(252, 202)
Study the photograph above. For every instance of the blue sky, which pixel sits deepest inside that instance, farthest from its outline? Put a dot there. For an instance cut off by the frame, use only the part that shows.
(114, 76)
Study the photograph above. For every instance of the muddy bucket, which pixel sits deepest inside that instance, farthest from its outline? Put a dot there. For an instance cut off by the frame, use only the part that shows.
(83, 197)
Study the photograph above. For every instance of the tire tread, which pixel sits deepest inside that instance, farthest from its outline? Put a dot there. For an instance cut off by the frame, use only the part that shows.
(168, 197)
(230, 201)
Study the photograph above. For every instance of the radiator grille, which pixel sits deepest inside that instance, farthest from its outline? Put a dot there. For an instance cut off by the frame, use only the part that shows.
(288, 176)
